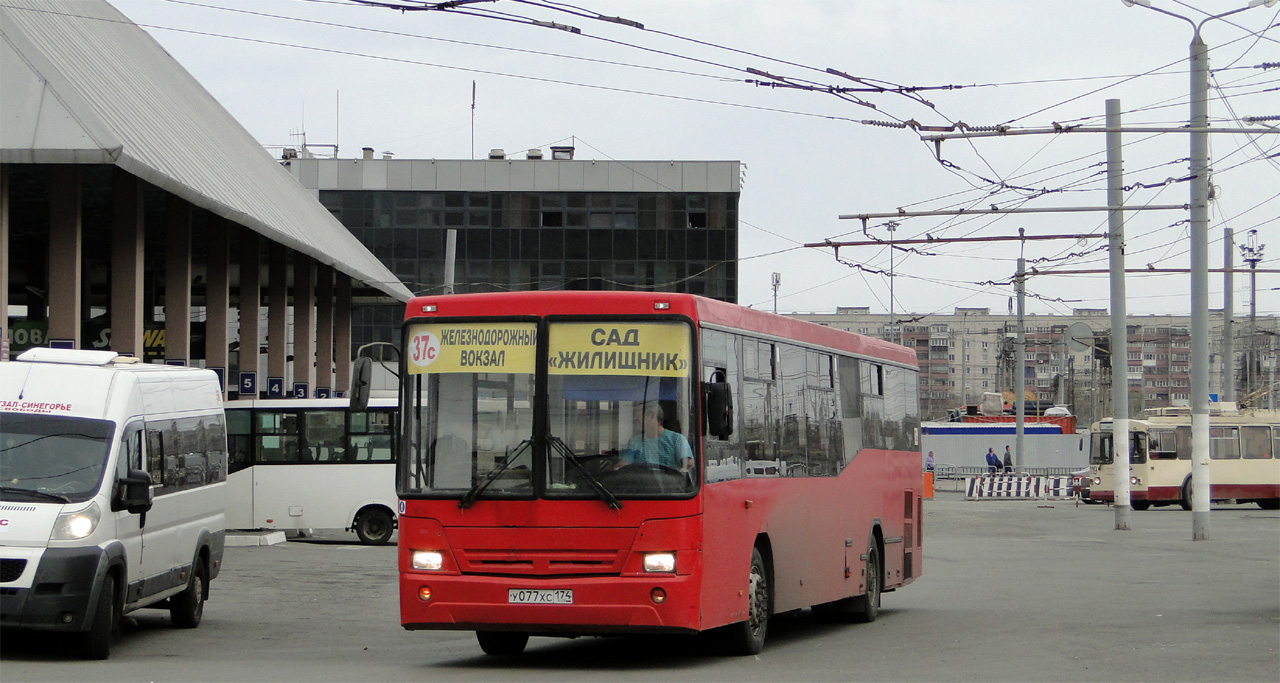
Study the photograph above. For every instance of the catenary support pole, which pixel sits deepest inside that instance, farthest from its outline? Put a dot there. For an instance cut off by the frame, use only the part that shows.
(1119, 329)
(1020, 365)
(1228, 296)
(1199, 289)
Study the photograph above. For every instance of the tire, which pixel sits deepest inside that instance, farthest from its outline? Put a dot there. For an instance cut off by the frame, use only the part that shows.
(1269, 503)
(374, 526)
(747, 637)
(187, 608)
(866, 607)
(96, 642)
(502, 643)
(1185, 499)
(1140, 504)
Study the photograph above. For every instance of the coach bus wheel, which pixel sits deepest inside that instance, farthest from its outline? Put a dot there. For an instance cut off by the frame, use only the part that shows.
(866, 607)
(374, 527)
(1185, 499)
(502, 643)
(96, 642)
(186, 608)
(747, 637)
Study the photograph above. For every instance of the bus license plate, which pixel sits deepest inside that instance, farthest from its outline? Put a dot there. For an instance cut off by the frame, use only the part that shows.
(525, 596)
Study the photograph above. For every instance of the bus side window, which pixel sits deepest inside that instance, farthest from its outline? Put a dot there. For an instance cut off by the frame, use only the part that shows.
(1256, 440)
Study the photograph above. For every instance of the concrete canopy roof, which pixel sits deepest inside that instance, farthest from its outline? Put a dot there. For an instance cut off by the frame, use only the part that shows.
(81, 84)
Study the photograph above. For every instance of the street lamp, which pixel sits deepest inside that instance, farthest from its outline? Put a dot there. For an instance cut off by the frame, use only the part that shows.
(1199, 263)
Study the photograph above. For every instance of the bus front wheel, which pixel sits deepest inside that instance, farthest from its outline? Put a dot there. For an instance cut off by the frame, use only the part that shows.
(502, 643)
(747, 637)
(374, 526)
(1185, 499)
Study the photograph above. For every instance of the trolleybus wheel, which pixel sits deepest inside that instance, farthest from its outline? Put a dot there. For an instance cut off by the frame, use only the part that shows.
(1269, 503)
(374, 527)
(1140, 504)
(1185, 498)
(502, 643)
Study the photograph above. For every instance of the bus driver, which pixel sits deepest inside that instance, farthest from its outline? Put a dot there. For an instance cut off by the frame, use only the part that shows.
(657, 444)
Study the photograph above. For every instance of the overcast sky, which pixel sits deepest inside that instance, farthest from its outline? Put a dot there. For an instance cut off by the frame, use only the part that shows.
(401, 82)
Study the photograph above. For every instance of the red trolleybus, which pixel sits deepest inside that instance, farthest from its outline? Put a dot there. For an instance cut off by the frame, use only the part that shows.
(577, 463)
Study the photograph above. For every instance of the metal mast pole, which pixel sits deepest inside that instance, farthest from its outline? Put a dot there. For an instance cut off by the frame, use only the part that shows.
(1199, 289)
(1020, 365)
(1228, 296)
(1119, 312)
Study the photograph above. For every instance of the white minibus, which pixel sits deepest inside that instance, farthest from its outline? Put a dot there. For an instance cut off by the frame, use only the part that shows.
(113, 479)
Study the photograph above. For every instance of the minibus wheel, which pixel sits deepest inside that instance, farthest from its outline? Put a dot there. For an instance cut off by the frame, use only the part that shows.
(96, 642)
(186, 608)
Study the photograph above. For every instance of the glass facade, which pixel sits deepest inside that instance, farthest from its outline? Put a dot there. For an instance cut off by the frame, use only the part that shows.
(659, 241)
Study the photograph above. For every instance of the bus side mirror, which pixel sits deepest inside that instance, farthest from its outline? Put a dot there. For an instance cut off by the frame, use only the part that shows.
(134, 493)
(719, 408)
(361, 378)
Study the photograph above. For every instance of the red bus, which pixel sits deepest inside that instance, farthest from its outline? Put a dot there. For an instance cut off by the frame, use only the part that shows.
(577, 463)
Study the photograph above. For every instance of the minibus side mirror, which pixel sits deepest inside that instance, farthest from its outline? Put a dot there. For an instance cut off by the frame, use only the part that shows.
(134, 493)
(718, 401)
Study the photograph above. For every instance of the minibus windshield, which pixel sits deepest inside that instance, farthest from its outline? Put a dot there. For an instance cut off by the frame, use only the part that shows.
(51, 457)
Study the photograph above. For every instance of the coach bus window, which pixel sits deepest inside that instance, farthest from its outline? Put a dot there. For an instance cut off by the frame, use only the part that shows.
(1224, 443)
(619, 409)
(850, 390)
(723, 457)
(791, 408)
(901, 412)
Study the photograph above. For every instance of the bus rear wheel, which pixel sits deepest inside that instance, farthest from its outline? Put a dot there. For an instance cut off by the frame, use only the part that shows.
(1140, 504)
(1185, 499)
(866, 607)
(374, 527)
(502, 643)
(1269, 503)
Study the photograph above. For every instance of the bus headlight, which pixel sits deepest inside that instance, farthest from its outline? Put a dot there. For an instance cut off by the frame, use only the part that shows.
(73, 526)
(430, 560)
(660, 562)
(1097, 481)
(1134, 481)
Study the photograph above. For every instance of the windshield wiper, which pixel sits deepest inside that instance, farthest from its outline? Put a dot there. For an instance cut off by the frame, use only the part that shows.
(469, 499)
(13, 490)
(568, 454)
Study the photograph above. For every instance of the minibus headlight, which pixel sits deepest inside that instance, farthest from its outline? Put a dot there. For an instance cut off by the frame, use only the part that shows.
(660, 562)
(430, 560)
(73, 526)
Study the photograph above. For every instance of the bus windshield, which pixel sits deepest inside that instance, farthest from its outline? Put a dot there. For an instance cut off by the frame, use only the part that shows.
(52, 457)
(618, 406)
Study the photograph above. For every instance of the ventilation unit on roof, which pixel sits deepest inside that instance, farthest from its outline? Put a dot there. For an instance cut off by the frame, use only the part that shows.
(562, 153)
(497, 154)
(533, 154)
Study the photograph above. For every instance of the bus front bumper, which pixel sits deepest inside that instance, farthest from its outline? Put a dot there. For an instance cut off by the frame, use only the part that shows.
(658, 603)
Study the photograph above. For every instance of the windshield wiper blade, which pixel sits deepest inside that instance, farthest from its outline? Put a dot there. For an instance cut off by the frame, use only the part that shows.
(567, 453)
(470, 498)
(13, 490)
